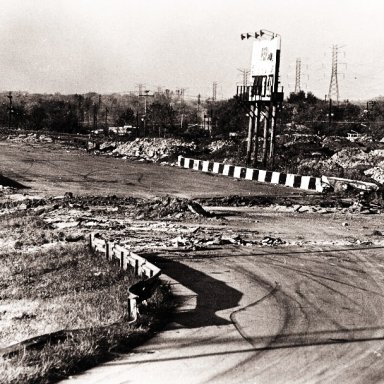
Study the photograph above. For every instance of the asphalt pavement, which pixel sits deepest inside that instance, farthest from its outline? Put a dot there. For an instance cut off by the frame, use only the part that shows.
(265, 316)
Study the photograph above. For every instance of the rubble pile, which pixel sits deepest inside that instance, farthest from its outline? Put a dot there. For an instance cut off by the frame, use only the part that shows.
(238, 201)
(297, 128)
(201, 242)
(153, 149)
(355, 157)
(30, 138)
(272, 241)
(298, 139)
(221, 145)
(376, 173)
(337, 143)
(169, 207)
(355, 163)
(66, 201)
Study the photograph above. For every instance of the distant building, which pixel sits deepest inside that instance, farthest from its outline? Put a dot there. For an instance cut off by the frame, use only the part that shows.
(122, 131)
(353, 135)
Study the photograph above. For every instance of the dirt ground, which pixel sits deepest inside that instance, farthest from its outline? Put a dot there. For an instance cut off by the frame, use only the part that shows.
(287, 291)
(53, 170)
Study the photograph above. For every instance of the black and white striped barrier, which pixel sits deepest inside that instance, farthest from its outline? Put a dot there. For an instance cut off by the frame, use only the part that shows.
(128, 260)
(317, 184)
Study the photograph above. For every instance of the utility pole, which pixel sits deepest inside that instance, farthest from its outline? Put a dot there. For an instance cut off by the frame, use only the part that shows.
(182, 93)
(330, 113)
(251, 128)
(10, 110)
(94, 116)
(265, 134)
(96, 107)
(256, 133)
(334, 84)
(141, 89)
(144, 119)
(214, 91)
(298, 75)
(182, 107)
(106, 117)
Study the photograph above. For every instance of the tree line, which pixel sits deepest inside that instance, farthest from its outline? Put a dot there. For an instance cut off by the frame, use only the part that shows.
(158, 114)
(330, 118)
(169, 114)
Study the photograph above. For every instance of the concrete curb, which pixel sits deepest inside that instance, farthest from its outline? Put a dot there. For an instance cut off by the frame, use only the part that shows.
(309, 183)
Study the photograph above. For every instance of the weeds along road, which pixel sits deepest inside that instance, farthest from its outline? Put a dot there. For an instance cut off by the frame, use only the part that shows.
(50, 169)
(266, 316)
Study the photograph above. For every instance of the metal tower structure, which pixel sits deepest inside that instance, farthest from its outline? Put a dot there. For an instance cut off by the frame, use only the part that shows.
(263, 97)
(245, 74)
(214, 91)
(333, 93)
(298, 76)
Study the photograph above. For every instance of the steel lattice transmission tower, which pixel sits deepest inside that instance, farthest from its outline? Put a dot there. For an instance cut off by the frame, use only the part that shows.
(298, 76)
(333, 93)
(214, 91)
(245, 73)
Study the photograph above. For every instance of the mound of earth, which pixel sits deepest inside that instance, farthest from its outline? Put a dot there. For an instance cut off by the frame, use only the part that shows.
(167, 207)
(154, 149)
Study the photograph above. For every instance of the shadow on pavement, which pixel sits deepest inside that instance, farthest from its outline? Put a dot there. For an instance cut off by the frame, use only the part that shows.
(298, 340)
(7, 182)
(212, 295)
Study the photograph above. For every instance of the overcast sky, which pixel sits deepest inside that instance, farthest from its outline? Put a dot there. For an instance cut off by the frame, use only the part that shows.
(76, 46)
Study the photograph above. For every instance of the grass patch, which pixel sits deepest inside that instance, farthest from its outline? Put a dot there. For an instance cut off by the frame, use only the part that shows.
(64, 288)
(20, 230)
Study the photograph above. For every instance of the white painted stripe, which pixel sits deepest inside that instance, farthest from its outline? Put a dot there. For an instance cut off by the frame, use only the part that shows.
(226, 169)
(216, 167)
(319, 185)
(305, 182)
(205, 166)
(262, 174)
(186, 162)
(290, 180)
(249, 173)
(196, 164)
(237, 172)
(275, 177)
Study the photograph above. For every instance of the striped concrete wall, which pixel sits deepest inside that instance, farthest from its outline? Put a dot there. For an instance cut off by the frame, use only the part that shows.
(308, 183)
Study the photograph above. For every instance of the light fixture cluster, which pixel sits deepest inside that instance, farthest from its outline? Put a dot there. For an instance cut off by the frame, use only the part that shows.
(256, 35)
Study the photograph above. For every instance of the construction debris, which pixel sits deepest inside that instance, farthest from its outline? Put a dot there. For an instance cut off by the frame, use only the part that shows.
(272, 241)
(169, 207)
(153, 149)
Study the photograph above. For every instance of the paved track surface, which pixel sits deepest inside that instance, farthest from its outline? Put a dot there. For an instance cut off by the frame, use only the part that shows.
(50, 169)
(266, 316)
